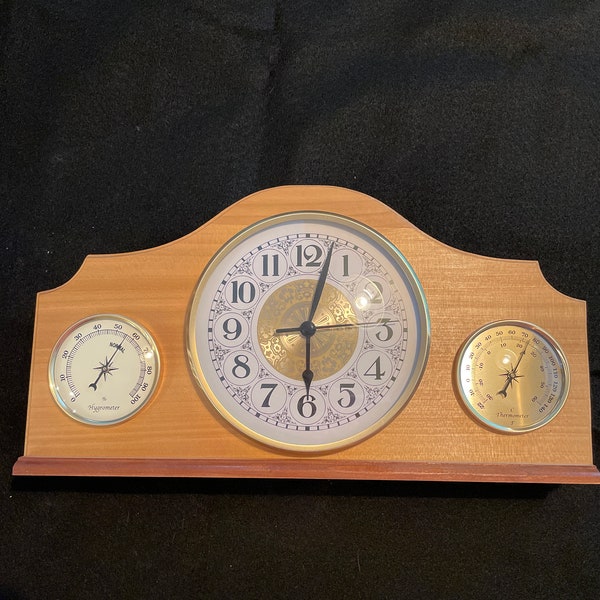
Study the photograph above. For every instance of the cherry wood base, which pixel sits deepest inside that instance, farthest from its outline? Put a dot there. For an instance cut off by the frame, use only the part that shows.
(307, 469)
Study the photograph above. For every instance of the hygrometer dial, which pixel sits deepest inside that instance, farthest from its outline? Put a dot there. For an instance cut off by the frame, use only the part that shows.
(103, 369)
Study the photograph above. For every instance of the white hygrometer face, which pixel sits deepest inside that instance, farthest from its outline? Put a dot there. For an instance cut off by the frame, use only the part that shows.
(308, 331)
(103, 369)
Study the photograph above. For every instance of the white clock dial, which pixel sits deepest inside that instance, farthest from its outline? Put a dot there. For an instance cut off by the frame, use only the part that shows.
(308, 331)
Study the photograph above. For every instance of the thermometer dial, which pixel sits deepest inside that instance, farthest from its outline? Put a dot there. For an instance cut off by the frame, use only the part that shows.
(512, 376)
(104, 369)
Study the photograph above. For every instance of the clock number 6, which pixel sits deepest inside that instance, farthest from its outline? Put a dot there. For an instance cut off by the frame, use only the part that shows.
(303, 403)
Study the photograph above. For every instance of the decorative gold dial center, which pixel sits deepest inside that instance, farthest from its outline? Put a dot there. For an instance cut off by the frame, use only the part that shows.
(288, 306)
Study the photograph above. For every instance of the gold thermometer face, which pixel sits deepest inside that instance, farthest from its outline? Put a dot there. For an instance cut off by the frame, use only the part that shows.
(103, 369)
(512, 376)
(308, 331)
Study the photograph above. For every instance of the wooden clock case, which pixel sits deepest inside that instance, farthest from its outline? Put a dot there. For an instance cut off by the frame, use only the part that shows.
(433, 438)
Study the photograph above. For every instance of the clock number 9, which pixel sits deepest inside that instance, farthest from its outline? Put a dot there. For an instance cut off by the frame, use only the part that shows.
(230, 332)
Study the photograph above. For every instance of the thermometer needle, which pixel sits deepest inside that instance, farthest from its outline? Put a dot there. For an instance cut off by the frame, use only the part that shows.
(511, 375)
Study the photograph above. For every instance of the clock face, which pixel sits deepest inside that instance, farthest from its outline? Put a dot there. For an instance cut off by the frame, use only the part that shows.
(308, 331)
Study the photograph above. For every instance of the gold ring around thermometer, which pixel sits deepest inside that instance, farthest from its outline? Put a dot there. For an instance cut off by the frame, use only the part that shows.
(104, 369)
(512, 376)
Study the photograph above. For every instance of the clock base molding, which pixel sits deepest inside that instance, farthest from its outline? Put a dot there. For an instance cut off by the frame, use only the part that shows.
(179, 433)
(307, 469)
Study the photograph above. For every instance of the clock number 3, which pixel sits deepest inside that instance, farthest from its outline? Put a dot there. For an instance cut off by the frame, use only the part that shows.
(389, 332)
(375, 370)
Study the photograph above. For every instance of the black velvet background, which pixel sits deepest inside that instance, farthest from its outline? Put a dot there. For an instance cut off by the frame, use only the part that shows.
(127, 125)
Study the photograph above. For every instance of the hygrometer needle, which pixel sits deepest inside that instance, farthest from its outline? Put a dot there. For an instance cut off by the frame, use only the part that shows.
(106, 368)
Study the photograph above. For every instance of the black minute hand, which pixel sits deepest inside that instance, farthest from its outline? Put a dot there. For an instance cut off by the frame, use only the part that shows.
(320, 284)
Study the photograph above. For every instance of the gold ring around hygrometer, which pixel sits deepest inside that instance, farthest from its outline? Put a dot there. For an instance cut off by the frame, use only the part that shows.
(103, 369)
